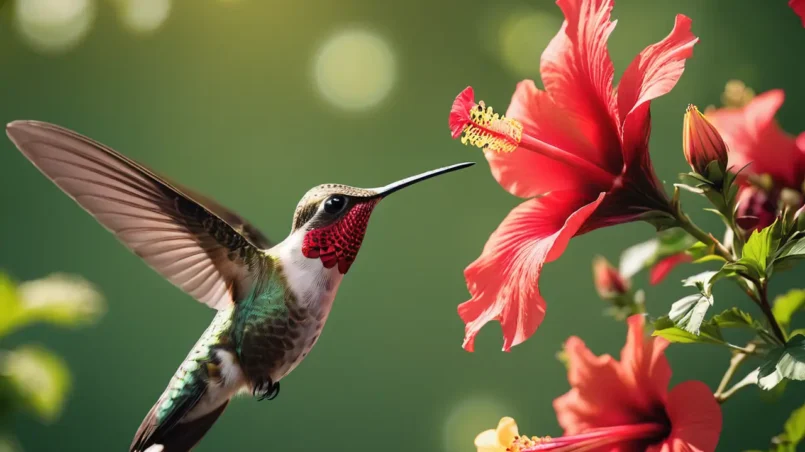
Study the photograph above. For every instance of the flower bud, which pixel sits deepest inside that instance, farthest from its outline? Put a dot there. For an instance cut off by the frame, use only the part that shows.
(799, 217)
(756, 208)
(702, 145)
(608, 281)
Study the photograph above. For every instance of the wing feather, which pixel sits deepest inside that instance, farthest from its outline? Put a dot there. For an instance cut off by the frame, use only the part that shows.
(200, 246)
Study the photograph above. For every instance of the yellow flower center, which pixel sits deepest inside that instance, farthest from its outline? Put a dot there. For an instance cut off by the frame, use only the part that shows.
(523, 442)
(490, 130)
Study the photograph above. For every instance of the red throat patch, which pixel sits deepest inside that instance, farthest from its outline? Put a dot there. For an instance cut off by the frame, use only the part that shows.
(338, 243)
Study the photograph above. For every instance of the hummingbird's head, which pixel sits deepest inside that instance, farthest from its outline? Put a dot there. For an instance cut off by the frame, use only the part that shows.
(334, 217)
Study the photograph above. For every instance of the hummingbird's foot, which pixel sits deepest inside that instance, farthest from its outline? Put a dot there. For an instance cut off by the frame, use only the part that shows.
(266, 390)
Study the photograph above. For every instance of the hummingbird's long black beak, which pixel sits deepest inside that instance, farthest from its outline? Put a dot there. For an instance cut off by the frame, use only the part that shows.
(391, 188)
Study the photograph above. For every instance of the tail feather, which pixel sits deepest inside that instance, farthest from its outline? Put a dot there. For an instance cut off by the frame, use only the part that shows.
(181, 437)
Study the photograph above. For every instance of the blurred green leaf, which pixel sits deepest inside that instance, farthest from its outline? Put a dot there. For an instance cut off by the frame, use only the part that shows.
(700, 251)
(643, 255)
(40, 377)
(774, 394)
(562, 357)
(794, 428)
(8, 443)
(793, 432)
(59, 299)
(785, 306)
(9, 305)
(783, 362)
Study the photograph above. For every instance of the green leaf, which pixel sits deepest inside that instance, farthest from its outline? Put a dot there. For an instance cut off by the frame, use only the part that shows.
(703, 253)
(645, 254)
(792, 363)
(688, 313)
(715, 174)
(768, 375)
(793, 250)
(716, 199)
(785, 306)
(734, 318)
(690, 188)
(760, 249)
(702, 181)
(703, 281)
(783, 362)
(41, 379)
(708, 334)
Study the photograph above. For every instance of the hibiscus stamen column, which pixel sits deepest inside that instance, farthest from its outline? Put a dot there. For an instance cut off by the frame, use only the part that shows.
(592, 439)
(478, 125)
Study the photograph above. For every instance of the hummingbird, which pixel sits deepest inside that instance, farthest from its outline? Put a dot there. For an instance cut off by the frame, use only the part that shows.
(272, 299)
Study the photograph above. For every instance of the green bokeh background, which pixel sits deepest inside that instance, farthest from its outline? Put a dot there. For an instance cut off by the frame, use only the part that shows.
(222, 99)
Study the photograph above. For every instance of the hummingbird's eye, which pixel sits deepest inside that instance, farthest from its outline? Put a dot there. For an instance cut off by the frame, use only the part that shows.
(334, 204)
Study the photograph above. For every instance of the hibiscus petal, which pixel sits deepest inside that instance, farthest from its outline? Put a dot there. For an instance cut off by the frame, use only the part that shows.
(695, 419)
(598, 398)
(577, 72)
(527, 174)
(504, 280)
(799, 8)
(645, 369)
(753, 136)
(460, 111)
(653, 73)
(662, 268)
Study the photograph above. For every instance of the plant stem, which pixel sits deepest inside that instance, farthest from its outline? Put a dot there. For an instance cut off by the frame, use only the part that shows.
(686, 224)
(722, 394)
(728, 211)
(722, 397)
(741, 350)
(762, 300)
(765, 306)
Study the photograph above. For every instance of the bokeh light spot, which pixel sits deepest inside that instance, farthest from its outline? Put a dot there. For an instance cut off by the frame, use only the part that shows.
(354, 70)
(522, 37)
(53, 25)
(144, 16)
(469, 418)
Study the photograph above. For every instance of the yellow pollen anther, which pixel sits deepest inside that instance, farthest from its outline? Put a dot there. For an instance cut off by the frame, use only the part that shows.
(522, 442)
(490, 130)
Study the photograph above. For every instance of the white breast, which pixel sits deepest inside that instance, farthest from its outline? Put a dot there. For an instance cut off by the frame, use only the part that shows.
(314, 288)
(312, 284)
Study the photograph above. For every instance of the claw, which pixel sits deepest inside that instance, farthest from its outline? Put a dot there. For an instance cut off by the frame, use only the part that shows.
(266, 390)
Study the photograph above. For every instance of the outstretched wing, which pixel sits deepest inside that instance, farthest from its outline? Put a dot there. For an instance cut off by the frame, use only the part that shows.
(207, 251)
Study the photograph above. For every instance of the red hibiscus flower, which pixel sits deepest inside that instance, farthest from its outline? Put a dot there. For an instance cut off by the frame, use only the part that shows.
(608, 281)
(628, 402)
(580, 151)
(799, 8)
(621, 405)
(662, 268)
(775, 159)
